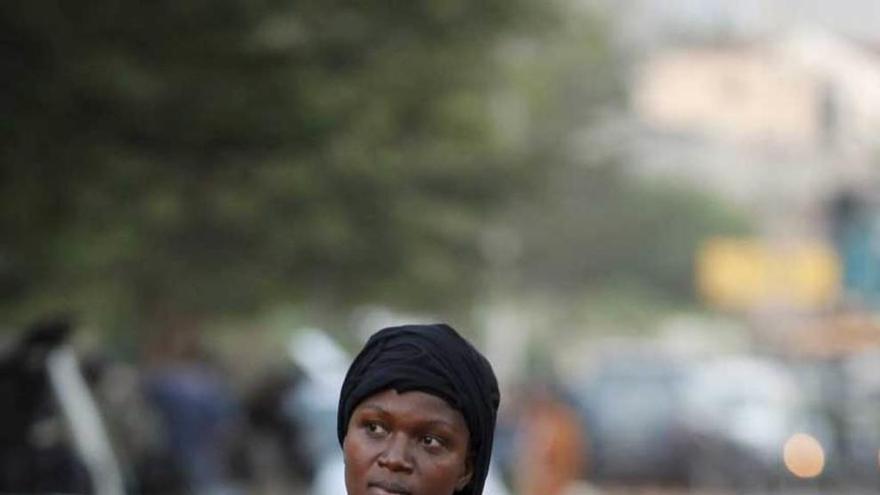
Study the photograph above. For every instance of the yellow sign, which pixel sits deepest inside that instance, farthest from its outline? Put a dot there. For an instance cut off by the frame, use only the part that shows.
(749, 273)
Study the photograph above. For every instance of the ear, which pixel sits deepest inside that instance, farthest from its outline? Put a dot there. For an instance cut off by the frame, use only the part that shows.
(467, 475)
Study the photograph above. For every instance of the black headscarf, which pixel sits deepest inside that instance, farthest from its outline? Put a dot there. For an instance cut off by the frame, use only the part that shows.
(433, 359)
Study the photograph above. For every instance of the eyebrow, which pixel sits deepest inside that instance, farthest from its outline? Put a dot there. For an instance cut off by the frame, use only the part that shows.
(374, 406)
(429, 422)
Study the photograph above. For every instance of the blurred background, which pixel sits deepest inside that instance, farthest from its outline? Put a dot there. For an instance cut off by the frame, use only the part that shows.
(659, 219)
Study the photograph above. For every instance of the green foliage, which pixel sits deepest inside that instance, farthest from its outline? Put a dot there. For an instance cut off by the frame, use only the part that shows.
(601, 228)
(595, 232)
(567, 78)
(221, 157)
(202, 156)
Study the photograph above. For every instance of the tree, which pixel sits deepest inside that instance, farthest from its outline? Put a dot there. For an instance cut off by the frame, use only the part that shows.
(193, 156)
(596, 227)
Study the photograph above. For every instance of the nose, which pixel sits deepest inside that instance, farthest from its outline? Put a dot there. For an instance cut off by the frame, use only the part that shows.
(396, 455)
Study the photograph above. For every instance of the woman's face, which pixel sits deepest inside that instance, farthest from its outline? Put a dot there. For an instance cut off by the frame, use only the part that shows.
(412, 443)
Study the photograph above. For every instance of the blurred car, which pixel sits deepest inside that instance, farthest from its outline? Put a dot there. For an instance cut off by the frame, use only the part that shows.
(738, 413)
(853, 401)
(630, 411)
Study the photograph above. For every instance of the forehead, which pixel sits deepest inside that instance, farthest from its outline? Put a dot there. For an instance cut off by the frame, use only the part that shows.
(413, 405)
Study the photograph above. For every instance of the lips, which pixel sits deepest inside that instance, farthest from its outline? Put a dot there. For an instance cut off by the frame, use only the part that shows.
(387, 487)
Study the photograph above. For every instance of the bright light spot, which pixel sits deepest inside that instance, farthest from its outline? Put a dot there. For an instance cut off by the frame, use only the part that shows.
(804, 456)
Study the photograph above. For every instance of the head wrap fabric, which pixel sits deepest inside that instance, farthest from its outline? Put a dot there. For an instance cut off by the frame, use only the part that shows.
(437, 360)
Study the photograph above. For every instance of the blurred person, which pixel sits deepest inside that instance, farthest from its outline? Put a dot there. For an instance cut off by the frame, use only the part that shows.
(198, 410)
(417, 414)
(135, 426)
(36, 451)
(277, 434)
(551, 451)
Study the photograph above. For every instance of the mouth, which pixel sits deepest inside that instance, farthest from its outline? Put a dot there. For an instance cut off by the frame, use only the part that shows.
(387, 488)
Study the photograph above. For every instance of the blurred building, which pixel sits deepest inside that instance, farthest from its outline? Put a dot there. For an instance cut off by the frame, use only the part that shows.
(776, 125)
(788, 128)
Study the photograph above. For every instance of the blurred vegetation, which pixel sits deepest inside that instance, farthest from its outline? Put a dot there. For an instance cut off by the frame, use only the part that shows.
(600, 228)
(221, 158)
(598, 242)
(192, 156)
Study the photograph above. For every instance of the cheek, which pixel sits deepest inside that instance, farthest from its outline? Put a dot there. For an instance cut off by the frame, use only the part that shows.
(441, 476)
(357, 461)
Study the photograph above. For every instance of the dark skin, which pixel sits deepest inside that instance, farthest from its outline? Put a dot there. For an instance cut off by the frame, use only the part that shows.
(412, 443)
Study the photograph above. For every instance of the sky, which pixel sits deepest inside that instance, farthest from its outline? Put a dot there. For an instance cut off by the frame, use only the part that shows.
(643, 21)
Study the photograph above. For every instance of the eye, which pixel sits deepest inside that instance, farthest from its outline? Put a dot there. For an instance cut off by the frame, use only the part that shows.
(432, 442)
(374, 428)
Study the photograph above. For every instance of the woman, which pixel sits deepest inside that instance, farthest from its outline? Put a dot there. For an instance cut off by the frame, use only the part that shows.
(417, 414)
